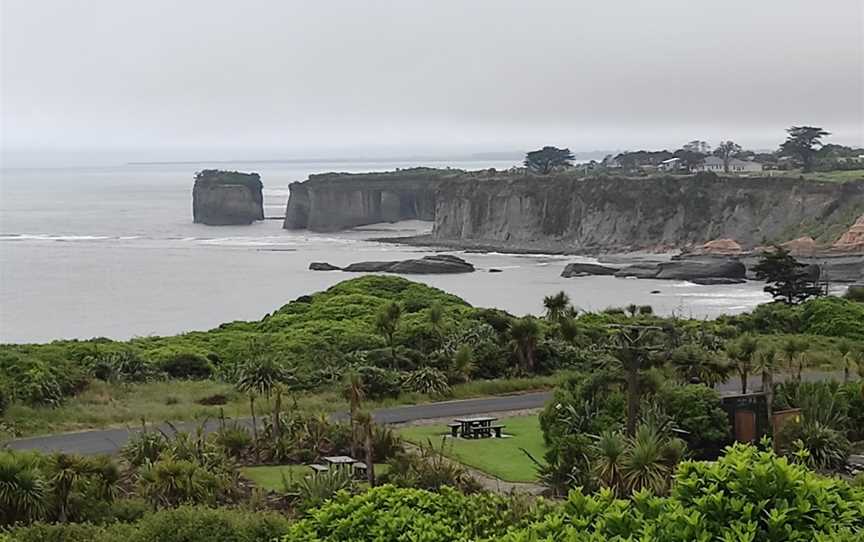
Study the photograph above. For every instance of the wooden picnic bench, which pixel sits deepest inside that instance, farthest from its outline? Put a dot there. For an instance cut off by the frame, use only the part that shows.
(475, 427)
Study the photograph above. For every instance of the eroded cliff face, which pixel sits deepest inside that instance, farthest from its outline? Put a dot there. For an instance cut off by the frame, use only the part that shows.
(221, 198)
(337, 201)
(655, 213)
(565, 213)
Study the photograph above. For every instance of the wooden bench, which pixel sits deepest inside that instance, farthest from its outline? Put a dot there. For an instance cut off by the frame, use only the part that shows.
(481, 431)
(454, 429)
(498, 430)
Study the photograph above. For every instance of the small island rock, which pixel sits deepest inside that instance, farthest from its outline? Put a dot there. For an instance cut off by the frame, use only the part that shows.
(223, 198)
(323, 266)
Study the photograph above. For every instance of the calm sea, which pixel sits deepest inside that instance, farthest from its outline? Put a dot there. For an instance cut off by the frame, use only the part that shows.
(113, 252)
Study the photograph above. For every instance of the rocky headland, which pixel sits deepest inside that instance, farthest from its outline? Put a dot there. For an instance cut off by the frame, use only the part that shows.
(697, 215)
(221, 198)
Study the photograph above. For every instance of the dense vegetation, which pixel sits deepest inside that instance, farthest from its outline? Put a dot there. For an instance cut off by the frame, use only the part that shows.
(748, 494)
(633, 416)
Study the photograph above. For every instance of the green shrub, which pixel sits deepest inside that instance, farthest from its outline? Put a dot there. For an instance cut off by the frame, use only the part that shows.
(817, 445)
(746, 494)
(200, 524)
(234, 438)
(697, 410)
(45, 532)
(834, 317)
(144, 446)
(379, 383)
(429, 469)
(186, 365)
(388, 514)
(316, 489)
(428, 381)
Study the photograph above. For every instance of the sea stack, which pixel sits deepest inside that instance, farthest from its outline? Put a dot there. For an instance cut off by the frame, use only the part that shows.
(224, 198)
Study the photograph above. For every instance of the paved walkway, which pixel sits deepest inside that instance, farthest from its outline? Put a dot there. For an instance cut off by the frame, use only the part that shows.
(110, 441)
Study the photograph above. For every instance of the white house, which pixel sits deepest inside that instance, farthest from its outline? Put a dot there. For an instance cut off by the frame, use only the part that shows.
(713, 163)
(672, 164)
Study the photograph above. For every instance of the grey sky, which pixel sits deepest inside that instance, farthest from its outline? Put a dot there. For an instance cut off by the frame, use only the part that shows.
(287, 78)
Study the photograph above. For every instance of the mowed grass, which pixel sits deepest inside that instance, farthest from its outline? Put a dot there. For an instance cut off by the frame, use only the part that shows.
(502, 458)
(104, 404)
(270, 477)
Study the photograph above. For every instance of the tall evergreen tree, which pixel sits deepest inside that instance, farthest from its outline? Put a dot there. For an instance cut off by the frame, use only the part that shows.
(788, 279)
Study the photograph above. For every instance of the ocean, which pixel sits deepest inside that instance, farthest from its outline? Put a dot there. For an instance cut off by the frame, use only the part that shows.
(112, 252)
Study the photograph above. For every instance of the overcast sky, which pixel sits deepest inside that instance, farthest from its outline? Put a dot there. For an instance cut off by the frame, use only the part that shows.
(168, 79)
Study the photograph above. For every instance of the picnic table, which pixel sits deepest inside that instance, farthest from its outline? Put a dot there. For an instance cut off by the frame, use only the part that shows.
(476, 426)
(340, 460)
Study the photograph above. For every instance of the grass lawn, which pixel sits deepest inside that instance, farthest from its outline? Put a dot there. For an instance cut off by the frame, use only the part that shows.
(501, 458)
(105, 404)
(836, 176)
(269, 477)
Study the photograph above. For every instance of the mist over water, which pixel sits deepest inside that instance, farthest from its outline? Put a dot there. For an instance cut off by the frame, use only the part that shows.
(113, 252)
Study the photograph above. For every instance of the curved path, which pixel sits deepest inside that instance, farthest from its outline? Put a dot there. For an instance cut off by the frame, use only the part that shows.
(109, 441)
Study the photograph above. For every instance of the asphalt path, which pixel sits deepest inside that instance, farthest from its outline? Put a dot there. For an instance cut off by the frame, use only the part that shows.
(110, 441)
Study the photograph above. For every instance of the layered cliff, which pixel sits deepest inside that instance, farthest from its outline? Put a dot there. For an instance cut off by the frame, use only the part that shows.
(337, 201)
(653, 213)
(222, 198)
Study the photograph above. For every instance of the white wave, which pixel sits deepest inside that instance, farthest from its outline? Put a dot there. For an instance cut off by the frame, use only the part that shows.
(52, 237)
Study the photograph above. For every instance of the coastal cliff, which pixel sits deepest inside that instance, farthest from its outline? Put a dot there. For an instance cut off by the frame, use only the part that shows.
(569, 213)
(654, 213)
(337, 201)
(221, 198)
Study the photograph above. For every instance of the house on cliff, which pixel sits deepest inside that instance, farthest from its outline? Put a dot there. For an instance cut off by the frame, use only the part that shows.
(715, 164)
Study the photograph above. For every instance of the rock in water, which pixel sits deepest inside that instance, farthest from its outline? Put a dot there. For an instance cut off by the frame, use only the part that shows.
(436, 264)
(712, 268)
(644, 270)
(323, 266)
(221, 198)
(715, 281)
(585, 269)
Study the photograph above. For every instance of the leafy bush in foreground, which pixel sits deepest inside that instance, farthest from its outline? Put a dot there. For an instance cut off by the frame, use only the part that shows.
(747, 495)
(185, 524)
(386, 514)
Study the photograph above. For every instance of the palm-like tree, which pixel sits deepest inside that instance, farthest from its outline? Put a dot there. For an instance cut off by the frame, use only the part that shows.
(765, 360)
(436, 317)
(693, 363)
(366, 425)
(556, 306)
(387, 324)
(794, 351)
(23, 491)
(525, 333)
(67, 471)
(850, 358)
(650, 460)
(741, 353)
(569, 330)
(463, 363)
(609, 450)
(634, 348)
(260, 375)
(355, 394)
